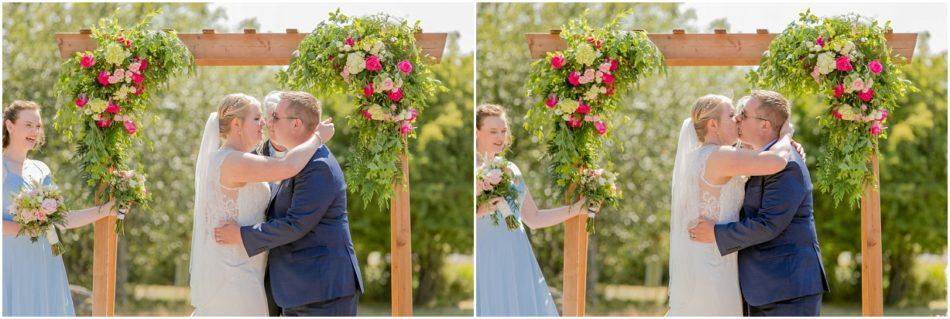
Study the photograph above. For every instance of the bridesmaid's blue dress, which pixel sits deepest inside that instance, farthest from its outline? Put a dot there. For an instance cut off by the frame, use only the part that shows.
(34, 281)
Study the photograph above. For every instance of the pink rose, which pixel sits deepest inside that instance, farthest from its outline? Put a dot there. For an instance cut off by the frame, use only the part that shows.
(82, 100)
(837, 114)
(552, 101)
(130, 127)
(104, 78)
(574, 78)
(366, 114)
(413, 114)
(839, 90)
(137, 79)
(614, 65)
(875, 67)
(40, 216)
(820, 41)
(350, 42)
(582, 108)
(372, 64)
(883, 115)
(574, 122)
(876, 128)
(143, 64)
(139, 89)
(395, 95)
(104, 121)
(610, 90)
(404, 66)
(87, 61)
(113, 108)
(557, 62)
(368, 89)
(843, 63)
(866, 95)
(405, 128)
(608, 79)
(601, 127)
(49, 205)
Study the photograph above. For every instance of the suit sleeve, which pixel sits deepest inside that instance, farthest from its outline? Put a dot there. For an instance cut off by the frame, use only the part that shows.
(312, 196)
(782, 194)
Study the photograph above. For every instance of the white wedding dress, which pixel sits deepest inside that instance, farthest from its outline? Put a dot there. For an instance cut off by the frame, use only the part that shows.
(224, 280)
(702, 281)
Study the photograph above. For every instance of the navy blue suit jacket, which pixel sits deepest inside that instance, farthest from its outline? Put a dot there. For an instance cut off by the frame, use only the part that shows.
(311, 255)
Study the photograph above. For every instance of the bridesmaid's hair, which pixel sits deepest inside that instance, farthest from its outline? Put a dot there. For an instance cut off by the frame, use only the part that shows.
(234, 106)
(12, 113)
(490, 110)
(707, 108)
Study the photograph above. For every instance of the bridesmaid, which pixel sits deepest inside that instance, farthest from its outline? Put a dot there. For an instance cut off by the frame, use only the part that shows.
(34, 281)
(509, 280)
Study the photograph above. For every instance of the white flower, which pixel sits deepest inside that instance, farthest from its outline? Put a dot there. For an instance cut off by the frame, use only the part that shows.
(355, 63)
(826, 62)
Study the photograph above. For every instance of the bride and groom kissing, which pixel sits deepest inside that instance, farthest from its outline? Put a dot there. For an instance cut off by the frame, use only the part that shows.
(271, 234)
(742, 234)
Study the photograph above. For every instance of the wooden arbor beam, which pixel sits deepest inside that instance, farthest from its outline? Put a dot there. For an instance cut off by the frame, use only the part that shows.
(257, 49)
(724, 49)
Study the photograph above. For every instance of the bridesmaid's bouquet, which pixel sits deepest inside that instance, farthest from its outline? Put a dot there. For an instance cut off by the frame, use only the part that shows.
(127, 188)
(39, 211)
(497, 180)
(598, 186)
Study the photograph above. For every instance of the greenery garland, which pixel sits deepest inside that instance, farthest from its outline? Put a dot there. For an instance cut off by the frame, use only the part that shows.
(845, 60)
(375, 60)
(107, 93)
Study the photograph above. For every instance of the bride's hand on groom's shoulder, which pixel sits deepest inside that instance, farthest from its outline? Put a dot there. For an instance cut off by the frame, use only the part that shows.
(326, 129)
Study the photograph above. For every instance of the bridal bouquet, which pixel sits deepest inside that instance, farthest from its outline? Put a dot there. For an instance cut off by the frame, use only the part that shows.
(127, 188)
(598, 186)
(38, 211)
(497, 180)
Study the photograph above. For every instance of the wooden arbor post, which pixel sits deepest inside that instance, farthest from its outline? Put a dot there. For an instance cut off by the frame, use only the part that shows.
(724, 49)
(255, 49)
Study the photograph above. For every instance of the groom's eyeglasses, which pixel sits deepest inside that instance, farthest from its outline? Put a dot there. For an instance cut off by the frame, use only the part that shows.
(275, 118)
(742, 117)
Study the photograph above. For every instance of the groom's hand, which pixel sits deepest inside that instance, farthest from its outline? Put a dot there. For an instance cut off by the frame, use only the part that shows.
(703, 231)
(228, 234)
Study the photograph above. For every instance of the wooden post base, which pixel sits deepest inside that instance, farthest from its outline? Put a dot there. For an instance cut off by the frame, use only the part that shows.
(575, 266)
(104, 267)
(400, 244)
(872, 292)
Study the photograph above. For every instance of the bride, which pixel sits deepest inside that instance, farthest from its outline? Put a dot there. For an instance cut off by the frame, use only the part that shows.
(702, 282)
(230, 184)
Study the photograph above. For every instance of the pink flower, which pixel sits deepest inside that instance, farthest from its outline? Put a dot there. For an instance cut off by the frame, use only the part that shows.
(883, 115)
(104, 121)
(130, 127)
(574, 78)
(137, 79)
(843, 63)
(143, 64)
(368, 89)
(574, 122)
(593, 41)
(404, 66)
(601, 127)
(395, 95)
(87, 61)
(372, 64)
(49, 205)
(815, 74)
(113, 108)
(866, 95)
(582, 108)
(839, 90)
(608, 79)
(366, 114)
(139, 89)
(405, 128)
(837, 114)
(875, 67)
(413, 114)
(350, 42)
(40, 216)
(820, 41)
(82, 100)
(557, 62)
(614, 65)
(876, 128)
(552, 101)
(610, 90)
(104, 78)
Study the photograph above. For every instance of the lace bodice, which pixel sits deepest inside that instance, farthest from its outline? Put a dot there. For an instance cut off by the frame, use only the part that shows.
(719, 202)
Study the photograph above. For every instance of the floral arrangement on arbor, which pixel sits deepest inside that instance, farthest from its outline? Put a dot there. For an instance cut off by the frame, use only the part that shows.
(108, 93)
(845, 60)
(577, 92)
(375, 60)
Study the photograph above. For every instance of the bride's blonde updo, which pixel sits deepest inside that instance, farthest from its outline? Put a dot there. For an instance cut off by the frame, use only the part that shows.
(234, 106)
(707, 108)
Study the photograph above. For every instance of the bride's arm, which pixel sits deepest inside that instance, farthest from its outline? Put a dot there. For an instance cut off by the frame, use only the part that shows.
(535, 218)
(731, 161)
(247, 168)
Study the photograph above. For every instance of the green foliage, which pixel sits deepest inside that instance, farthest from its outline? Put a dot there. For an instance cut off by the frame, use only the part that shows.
(361, 57)
(802, 60)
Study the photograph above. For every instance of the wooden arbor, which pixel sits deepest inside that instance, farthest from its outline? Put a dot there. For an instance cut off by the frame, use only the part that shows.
(256, 49)
(723, 49)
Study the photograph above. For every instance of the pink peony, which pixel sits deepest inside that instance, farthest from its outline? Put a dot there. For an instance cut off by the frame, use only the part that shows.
(875, 67)
(614, 65)
(405, 128)
(557, 62)
(87, 61)
(143, 64)
(350, 42)
(372, 64)
(552, 101)
(820, 41)
(395, 95)
(113, 108)
(837, 114)
(137, 78)
(839, 90)
(368, 89)
(866, 95)
(404, 66)
(130, 127)
(82, 100)
(104, 78)
(582, 108)
(601, 127)
(876, 128)
(608, 79)
(843, 63)
(574, 78)
(413, 114)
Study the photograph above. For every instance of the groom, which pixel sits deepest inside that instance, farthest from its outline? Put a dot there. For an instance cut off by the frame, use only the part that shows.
(780, 268)
(312, 265)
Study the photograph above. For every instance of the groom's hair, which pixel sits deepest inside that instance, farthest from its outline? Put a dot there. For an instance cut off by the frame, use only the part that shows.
(303, 106)
(773, 107)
